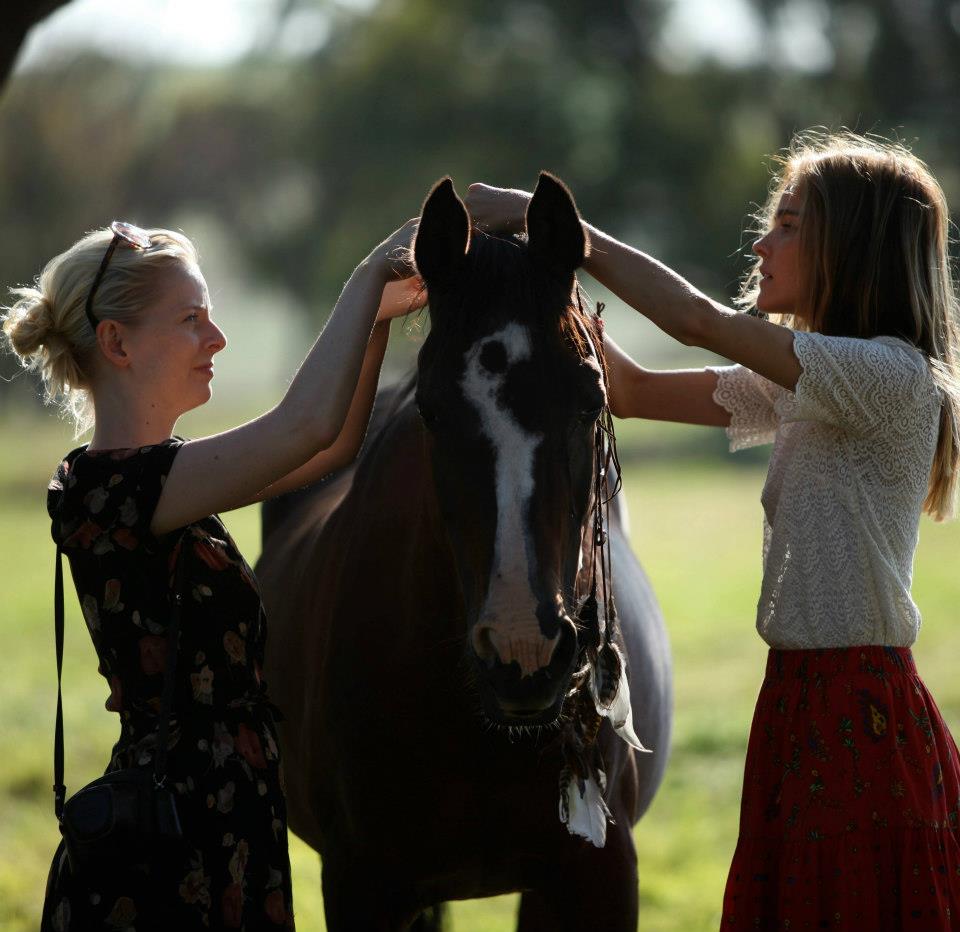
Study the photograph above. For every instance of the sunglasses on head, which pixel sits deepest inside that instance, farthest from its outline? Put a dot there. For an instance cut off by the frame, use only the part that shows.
(123, 232)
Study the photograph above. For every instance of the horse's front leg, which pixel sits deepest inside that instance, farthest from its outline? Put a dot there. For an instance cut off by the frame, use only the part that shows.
(595, 889)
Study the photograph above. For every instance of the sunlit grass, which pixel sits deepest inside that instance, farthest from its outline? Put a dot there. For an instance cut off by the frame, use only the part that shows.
(696, 528)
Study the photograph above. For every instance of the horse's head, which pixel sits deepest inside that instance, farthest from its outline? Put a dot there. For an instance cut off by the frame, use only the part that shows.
(510, 386)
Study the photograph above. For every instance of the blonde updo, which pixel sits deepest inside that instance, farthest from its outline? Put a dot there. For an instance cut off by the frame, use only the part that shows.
(46, 326)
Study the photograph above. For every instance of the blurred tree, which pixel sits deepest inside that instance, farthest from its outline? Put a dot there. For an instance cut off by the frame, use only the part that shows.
(895, 59)
(497, 90)
(308, 161)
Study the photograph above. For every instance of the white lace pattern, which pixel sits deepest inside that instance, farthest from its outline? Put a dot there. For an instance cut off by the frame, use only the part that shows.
(853, 448)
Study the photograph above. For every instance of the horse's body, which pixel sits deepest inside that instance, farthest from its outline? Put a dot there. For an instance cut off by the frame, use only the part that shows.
(392, 774)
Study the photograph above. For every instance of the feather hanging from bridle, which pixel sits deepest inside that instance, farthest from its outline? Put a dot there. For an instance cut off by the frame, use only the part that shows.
(601, 688)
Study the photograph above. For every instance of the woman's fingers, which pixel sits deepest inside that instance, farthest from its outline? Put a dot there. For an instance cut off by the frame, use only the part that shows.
(496, 210)
(402, 296)
(395, 253)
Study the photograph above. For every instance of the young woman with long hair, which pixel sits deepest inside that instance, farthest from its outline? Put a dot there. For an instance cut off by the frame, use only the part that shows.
(849, 813)
(121, 330)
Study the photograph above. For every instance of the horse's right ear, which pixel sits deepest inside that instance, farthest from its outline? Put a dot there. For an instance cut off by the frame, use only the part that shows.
(443, 235)
(554, 229)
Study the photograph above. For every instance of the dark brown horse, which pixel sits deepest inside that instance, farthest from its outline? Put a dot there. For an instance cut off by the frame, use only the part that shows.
(451, 690)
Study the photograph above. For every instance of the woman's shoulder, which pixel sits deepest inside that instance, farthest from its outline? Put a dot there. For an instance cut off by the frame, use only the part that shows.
(912, 351)
(847, 356)
(83, 466)
(121, 454)
(108, 487)
(864, 385)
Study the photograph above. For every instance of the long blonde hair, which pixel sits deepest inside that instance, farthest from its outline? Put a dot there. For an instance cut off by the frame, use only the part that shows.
(874, 259)
(46, 326)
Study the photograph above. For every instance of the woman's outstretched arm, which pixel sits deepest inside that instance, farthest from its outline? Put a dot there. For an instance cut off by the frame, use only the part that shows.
(688, 315)
(659, 293)
(345, 448)
(399, 298)
(681, 395)
(220, 472)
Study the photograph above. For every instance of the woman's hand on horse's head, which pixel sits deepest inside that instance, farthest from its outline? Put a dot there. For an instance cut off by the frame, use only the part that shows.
(497, 210)
(402, 296)
(394, 256)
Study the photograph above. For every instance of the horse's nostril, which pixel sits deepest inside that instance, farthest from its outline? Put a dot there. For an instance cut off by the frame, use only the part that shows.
(483, 644)
(514, 687)
(566, 649)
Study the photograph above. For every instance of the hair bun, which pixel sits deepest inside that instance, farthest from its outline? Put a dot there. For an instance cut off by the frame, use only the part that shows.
(46, 326)
(29, 324)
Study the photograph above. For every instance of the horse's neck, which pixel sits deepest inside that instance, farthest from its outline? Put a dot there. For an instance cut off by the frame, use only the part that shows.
(392, 512)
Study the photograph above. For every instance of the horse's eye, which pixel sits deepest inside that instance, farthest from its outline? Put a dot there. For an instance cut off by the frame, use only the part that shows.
(591, 415)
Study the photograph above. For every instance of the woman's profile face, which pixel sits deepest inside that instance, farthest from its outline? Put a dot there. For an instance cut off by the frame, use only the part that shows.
(778, 250)
(174, 342)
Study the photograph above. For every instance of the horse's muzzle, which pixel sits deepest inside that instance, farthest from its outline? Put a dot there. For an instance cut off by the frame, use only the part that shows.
(511, 697)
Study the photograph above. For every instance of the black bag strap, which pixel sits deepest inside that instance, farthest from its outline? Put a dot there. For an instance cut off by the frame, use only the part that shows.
(173, 632)
(59, 790)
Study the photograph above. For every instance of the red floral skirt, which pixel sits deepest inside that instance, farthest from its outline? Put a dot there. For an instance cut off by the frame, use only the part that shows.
(849, 818)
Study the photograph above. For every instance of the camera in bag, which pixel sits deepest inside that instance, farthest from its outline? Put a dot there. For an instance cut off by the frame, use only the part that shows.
(120, 819)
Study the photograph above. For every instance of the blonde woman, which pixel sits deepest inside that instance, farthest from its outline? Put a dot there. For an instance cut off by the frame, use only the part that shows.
(121, 330)
(849, 815)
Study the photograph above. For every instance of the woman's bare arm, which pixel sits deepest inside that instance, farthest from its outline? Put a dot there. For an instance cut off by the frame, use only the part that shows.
(658, 293)
(345, 448)
(220, 472)
(687, 314)
(681, 395)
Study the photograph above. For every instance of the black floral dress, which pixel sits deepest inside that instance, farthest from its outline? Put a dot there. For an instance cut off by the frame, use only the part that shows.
(223, 757)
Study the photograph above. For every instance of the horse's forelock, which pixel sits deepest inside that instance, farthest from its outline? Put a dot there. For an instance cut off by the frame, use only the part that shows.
(499, 273)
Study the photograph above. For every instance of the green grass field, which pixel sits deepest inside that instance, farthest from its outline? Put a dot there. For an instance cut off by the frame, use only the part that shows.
(696, 529)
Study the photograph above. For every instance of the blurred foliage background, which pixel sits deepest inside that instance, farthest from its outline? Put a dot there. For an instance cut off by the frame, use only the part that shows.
(287, 137)
(293, 134)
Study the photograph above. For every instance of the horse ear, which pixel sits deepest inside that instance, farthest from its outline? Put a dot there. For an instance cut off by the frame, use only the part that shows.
(443, 235)
(555, 232)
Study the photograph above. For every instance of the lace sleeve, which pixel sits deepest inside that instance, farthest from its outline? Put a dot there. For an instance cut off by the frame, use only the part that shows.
(750, 400)
(858, 385)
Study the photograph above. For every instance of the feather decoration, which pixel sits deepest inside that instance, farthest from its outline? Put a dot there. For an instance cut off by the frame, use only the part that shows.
(582, 806)
(614, 703)
(590, 623)
(601, 688)
(566, 780)
(605, 676)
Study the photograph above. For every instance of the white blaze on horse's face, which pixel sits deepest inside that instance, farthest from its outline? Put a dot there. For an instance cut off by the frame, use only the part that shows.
(508, 621)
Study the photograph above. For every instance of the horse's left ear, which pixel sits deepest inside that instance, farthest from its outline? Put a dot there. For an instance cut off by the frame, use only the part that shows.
(555, 232)
(443, 235)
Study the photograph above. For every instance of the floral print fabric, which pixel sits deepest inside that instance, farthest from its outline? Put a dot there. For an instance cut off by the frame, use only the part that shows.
(223, 756)
(849, 818)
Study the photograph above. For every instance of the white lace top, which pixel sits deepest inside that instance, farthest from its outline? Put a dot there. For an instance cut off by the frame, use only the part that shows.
(853, 447)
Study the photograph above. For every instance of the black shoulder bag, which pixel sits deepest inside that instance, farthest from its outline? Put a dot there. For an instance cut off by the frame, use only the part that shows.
(129, 816)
